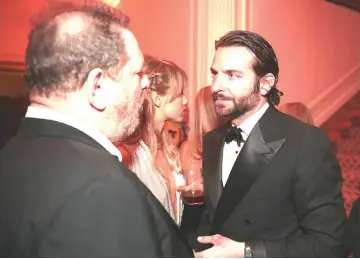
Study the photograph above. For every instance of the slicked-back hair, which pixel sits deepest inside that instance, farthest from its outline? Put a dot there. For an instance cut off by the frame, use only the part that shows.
(58, 62)
(265, 58)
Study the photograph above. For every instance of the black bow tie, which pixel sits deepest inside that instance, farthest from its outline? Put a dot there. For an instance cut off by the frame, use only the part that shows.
(234, 133)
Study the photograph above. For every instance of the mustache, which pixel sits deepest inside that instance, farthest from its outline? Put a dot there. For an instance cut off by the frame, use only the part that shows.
(219, 96)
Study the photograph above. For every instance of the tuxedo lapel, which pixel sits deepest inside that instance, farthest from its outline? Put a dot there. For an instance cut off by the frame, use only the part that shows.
(213, 165)
(254, 156)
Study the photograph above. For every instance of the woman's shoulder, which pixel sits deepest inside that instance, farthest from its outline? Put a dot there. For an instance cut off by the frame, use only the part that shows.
(184, 146)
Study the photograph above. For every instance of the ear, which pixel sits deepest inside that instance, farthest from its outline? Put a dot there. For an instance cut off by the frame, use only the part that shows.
(157, 99)
(96, 89)
(266, 83)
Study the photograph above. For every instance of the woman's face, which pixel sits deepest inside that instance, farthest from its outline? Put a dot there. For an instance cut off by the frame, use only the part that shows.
(175, 110)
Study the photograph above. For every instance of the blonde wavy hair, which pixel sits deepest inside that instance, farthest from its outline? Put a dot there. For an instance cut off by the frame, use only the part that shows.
(167, 79)
(204, 120)
(297, 110)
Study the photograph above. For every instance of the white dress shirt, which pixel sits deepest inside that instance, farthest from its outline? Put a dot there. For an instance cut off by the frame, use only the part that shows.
(232, 150)
(97, 135)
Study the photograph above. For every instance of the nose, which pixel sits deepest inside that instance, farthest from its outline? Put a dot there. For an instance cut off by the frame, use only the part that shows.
(144, 82)
(216, 84)
(185, 100)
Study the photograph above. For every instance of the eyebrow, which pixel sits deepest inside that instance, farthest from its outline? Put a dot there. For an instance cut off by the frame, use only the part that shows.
(226, 71)
(213, 71)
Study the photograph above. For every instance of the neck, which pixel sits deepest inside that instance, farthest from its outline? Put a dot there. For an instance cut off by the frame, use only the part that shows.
(71, 107)
(238, 120)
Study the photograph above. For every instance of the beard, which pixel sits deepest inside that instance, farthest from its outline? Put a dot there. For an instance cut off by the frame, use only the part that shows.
(233, 107)
(129, 123)
(125, 120)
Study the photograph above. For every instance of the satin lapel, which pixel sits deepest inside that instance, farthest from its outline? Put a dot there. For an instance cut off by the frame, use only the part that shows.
(254, 156)
(212, 166)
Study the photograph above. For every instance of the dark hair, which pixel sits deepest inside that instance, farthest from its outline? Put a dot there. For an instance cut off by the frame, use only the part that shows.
(265, 58)
(59, 62)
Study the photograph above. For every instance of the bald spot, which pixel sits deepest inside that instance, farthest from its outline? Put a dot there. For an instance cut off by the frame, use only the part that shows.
(71, 23)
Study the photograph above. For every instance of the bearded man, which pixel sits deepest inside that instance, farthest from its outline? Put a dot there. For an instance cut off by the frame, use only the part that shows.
(272, 183)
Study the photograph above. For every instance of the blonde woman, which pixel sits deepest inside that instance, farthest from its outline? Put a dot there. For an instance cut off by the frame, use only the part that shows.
(204, 120)
(156, 161)
(297, 110)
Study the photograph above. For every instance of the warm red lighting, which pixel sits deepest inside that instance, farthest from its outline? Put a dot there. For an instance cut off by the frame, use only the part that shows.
(73, 26)
(112, 2)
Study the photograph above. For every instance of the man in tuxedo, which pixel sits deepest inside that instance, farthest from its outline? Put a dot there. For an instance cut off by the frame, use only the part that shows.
(63, 190)
(272, 183)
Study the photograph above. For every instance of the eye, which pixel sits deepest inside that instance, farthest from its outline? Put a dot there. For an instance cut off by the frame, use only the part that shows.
(233, 75)
(213, 74)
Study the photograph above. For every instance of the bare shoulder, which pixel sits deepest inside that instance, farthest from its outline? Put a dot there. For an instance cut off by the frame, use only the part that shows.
(184, 153)
(184, 147)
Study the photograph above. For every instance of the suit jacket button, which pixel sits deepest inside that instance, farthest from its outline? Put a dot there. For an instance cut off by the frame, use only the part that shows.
(248, 221)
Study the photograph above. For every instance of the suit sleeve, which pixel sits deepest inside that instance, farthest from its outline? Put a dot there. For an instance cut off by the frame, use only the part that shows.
(205, 221)
(106, 218)
(352, 235)
(316, 192)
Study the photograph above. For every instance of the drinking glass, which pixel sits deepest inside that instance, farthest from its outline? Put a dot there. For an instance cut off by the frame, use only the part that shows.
(193, 192)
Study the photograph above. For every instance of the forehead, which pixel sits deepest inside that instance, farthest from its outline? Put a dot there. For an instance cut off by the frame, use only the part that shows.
(132, 49)
(233, 58)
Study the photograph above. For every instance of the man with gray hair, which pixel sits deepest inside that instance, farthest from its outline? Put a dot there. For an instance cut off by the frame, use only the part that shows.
(63, 190)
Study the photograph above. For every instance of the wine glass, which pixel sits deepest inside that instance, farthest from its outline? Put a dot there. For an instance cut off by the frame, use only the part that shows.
(193, 191)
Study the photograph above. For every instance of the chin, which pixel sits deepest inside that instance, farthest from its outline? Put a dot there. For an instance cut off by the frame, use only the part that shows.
(127, 128)
(179, 120)
(222, 112)
(186, 118)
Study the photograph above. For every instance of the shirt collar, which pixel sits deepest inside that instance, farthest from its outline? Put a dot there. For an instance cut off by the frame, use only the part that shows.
(97, 135)
(247, 125)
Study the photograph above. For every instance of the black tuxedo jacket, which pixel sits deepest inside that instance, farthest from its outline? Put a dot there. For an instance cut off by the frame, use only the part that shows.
(352, 236)
(283, 192)
(63, 195)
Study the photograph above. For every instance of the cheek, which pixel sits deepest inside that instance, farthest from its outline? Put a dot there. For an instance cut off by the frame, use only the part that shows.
(138, 92)
(173, 109)
(132, 92)
(178, 105)
(241, 88)
(115, 97)
(123, 97)
(179, 110)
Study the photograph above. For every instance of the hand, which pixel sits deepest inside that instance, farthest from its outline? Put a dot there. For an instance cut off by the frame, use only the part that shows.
(223, 247)
(197, 185)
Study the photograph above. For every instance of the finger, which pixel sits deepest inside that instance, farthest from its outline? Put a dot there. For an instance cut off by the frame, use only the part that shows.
(208, 239)
(181, 188)
(201, 187)
(196, 186)
(208, 253)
